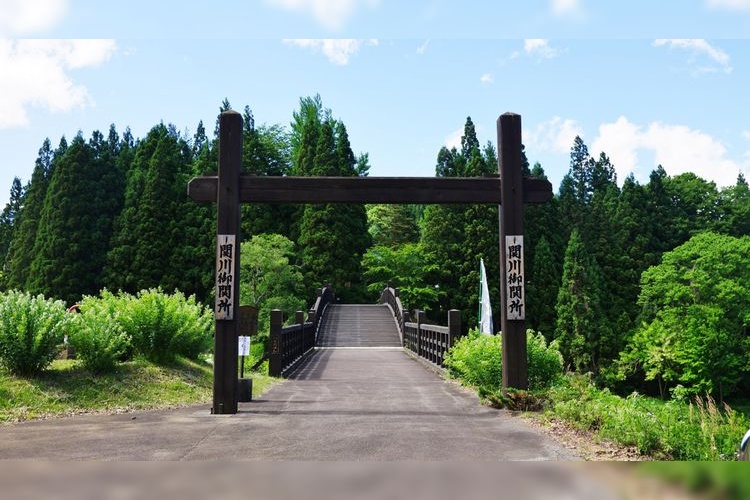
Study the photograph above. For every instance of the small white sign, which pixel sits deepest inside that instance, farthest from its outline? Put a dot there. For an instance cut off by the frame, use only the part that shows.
(515, 296)
(225, 249)
(243, 346)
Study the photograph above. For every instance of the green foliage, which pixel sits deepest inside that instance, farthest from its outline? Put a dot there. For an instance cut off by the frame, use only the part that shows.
(31, 331)
(84, 196)
(545, 361)
(268, 279)
(153, 243)
(9, 221)
(392, 225)
(21, 251)
(580, 328)
(98, 336)
(696, 430)
(332, 238)
(164, 326)
(476, 359)
(402, 267)
(542, 288)
(695, 317)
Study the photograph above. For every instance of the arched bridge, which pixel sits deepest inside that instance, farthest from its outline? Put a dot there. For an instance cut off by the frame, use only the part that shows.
(330, 325)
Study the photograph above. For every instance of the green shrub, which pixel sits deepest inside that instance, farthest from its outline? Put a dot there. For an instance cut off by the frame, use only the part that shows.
(697, 430)
(164, 326)
(31, 331)
(545, 361)
(476, 359)
(98, 337)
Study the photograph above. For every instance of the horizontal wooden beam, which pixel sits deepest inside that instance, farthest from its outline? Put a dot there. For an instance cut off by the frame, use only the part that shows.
(396, 190)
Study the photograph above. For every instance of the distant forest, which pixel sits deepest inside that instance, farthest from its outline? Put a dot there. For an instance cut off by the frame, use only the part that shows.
(636, 282)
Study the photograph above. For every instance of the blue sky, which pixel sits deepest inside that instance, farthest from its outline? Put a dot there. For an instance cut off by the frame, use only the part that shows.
(647, 82)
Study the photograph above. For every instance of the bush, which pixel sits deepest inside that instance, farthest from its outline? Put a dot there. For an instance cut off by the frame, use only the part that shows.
(697, 430)
(98, 337)
(476, 359)
(164, 326)
(545, 361)
(31, 331)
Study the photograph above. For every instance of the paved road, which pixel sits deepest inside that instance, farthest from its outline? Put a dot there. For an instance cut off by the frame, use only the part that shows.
(341, 404)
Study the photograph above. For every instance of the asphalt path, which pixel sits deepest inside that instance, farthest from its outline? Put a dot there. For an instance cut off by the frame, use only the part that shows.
(341, 404)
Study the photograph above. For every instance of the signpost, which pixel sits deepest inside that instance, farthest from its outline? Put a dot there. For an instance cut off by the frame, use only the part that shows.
(510, 190)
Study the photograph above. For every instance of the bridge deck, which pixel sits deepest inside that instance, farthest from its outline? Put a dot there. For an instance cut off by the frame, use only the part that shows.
(358, 326)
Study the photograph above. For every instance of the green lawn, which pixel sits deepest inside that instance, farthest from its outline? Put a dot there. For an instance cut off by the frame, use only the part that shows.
(67, 389)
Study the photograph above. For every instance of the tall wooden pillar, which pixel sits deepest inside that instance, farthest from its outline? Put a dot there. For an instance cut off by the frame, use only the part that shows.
(512, 279)
(227, 264)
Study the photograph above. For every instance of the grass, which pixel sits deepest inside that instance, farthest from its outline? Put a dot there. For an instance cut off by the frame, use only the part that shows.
(665, 430)
(66, 388)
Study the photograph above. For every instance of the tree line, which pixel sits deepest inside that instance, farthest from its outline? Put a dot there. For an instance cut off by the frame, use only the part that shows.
(112, 212)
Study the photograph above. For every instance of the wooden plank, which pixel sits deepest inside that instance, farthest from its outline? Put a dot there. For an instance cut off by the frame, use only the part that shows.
(397, 190)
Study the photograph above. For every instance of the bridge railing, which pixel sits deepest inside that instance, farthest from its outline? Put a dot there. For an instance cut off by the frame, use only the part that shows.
(290, 344)
(390, 297)
(431, 342)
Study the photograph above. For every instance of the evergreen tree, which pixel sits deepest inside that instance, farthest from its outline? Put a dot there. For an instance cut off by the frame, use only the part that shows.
(8, 224)
(76, 222)
(580, 330)
(542, 222)
(332, 238)
(542, 289)
(581, 171)
(21, 251)
(481, 232)
(265, 152)
(146, 247)
(392, 225)
(456, 237)
(735, 202)
(629, 255)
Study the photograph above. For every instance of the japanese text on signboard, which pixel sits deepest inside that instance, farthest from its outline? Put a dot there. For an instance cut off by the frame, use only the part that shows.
(225, 248)
(515, 293)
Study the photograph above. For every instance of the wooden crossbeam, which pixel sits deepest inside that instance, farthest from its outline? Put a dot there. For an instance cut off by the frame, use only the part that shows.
(397, 190)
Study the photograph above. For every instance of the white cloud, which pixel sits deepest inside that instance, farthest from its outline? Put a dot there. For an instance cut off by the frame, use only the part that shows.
(487, 79)
(746, 134)
(699, 47)
(539, 47)
(555, 135)
(677, 148)
(331, 14)
(423, 48)
(565, 7)
(337, 50)
(36, 73)
(729, 4)
(24, 17)
(453, 140)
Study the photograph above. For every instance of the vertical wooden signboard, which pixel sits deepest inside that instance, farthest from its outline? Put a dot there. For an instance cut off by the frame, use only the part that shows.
(515, 304)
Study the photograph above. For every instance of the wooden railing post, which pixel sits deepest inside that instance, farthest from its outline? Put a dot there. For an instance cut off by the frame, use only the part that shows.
(299, 318)
(274, 361)
(454, 326)
(420, 320)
